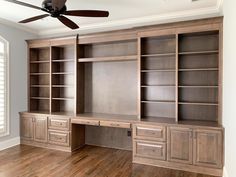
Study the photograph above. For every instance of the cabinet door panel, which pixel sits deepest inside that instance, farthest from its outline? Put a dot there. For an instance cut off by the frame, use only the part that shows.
(40, 129)
(208, 148)
(180, 145)
(26, 128)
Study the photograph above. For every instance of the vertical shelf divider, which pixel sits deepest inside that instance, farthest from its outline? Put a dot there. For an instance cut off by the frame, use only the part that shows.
(139, 78)
(75, 74)
(50, 79)
(177, 79)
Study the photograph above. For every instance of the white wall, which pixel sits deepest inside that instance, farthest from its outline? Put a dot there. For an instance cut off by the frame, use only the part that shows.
(18, 76)
(229, 86)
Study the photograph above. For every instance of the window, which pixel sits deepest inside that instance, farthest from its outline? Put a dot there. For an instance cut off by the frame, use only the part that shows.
(4, 120)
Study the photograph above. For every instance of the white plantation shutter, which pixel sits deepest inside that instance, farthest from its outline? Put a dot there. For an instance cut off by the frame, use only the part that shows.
(3, 87)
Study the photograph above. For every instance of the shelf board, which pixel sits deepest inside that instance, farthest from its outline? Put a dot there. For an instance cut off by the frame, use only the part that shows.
(115, 58)
(63, 86)
(159, 55)
(154, 102)
(62, 73)
(38, 62)
(144, 86)
(199, 52)
(158, 70)
(36, 74)
(40, 98)
(199, 86)
(39, 86)
(200, 104)
(63, 60)
(63, 99)
(199, 69)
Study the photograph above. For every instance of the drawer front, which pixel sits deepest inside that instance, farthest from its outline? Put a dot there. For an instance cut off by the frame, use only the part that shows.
(59, 123)
(149, 149)
(115, 124)
(59, 138)
(86, 122)
(150, 132)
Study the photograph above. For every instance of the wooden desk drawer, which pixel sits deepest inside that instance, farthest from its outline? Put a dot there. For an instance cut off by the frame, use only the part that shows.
(115, 124)
(150, 132)
(86, 122)
(59, 138)
(150, 150)
(59, 123)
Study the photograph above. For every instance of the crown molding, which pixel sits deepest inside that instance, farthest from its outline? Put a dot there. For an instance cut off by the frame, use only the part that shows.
(18, 26)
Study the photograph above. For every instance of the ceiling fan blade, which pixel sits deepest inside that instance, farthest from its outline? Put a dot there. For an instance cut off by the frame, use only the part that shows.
(24, 4)
(87, 13)
(68, 22)
(58, 4)
(34, 18)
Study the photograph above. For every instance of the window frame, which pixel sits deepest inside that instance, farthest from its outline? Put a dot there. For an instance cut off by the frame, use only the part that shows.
(6, 131)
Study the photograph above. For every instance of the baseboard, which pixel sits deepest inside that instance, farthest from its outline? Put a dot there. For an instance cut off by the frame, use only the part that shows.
(225, 173)
(9, 143)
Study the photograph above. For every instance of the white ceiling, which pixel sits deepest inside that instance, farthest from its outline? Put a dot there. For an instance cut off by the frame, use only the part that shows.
(123, 14)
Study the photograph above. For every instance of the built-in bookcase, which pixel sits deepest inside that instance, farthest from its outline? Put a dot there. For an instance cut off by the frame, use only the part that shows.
(63, 78)
(198, 76)
(39, 78)
(158, 79)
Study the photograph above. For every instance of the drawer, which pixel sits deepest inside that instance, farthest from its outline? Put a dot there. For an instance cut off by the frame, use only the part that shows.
(59, 123)
(59, 138)
(115, 124)
(150, 149)
(86, 122)
(150, 132)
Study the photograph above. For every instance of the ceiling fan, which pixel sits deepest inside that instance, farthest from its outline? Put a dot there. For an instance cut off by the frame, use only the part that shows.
(57, 9)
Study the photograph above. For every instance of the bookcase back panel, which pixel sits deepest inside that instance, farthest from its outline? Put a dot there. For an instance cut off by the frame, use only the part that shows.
(41, 54)
(195, 78)
(40, 92)
(63, 79)
(158, 63)
(118, 48)
(40, 80)
(63, 67)
(198, 112)
(111, 87)
(158, 78)
(198, 61)
(158, 45)
(39, 68)
(39, 105)
(62, 106)
(199, 95)
(208, 41)
(166, 110)
(63, 52)
(158, 94)
(59, 92)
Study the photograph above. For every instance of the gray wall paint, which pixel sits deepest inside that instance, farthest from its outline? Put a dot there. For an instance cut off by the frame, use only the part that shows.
(18, 75)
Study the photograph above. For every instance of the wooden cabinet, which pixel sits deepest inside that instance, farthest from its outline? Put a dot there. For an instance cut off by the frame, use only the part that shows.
(40, 129)
(180, 145)
(26, 127)
(208, 148)
(34, 128)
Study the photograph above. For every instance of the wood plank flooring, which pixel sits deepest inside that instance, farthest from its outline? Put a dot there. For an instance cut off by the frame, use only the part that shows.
(90, 161)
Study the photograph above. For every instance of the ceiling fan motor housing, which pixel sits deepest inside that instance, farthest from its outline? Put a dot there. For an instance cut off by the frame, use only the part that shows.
(47, 5)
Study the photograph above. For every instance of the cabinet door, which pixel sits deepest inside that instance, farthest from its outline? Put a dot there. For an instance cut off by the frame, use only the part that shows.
(40, 129)
(180, 145)
(26, 127)
(208, 148)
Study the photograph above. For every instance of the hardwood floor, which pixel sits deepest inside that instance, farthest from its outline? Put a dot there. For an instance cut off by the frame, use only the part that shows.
(90, 161)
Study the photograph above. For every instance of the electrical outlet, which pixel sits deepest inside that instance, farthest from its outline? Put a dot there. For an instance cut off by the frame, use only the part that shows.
(128, 133)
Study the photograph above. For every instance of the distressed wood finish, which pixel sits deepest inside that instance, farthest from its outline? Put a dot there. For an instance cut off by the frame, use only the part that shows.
(40, 128)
